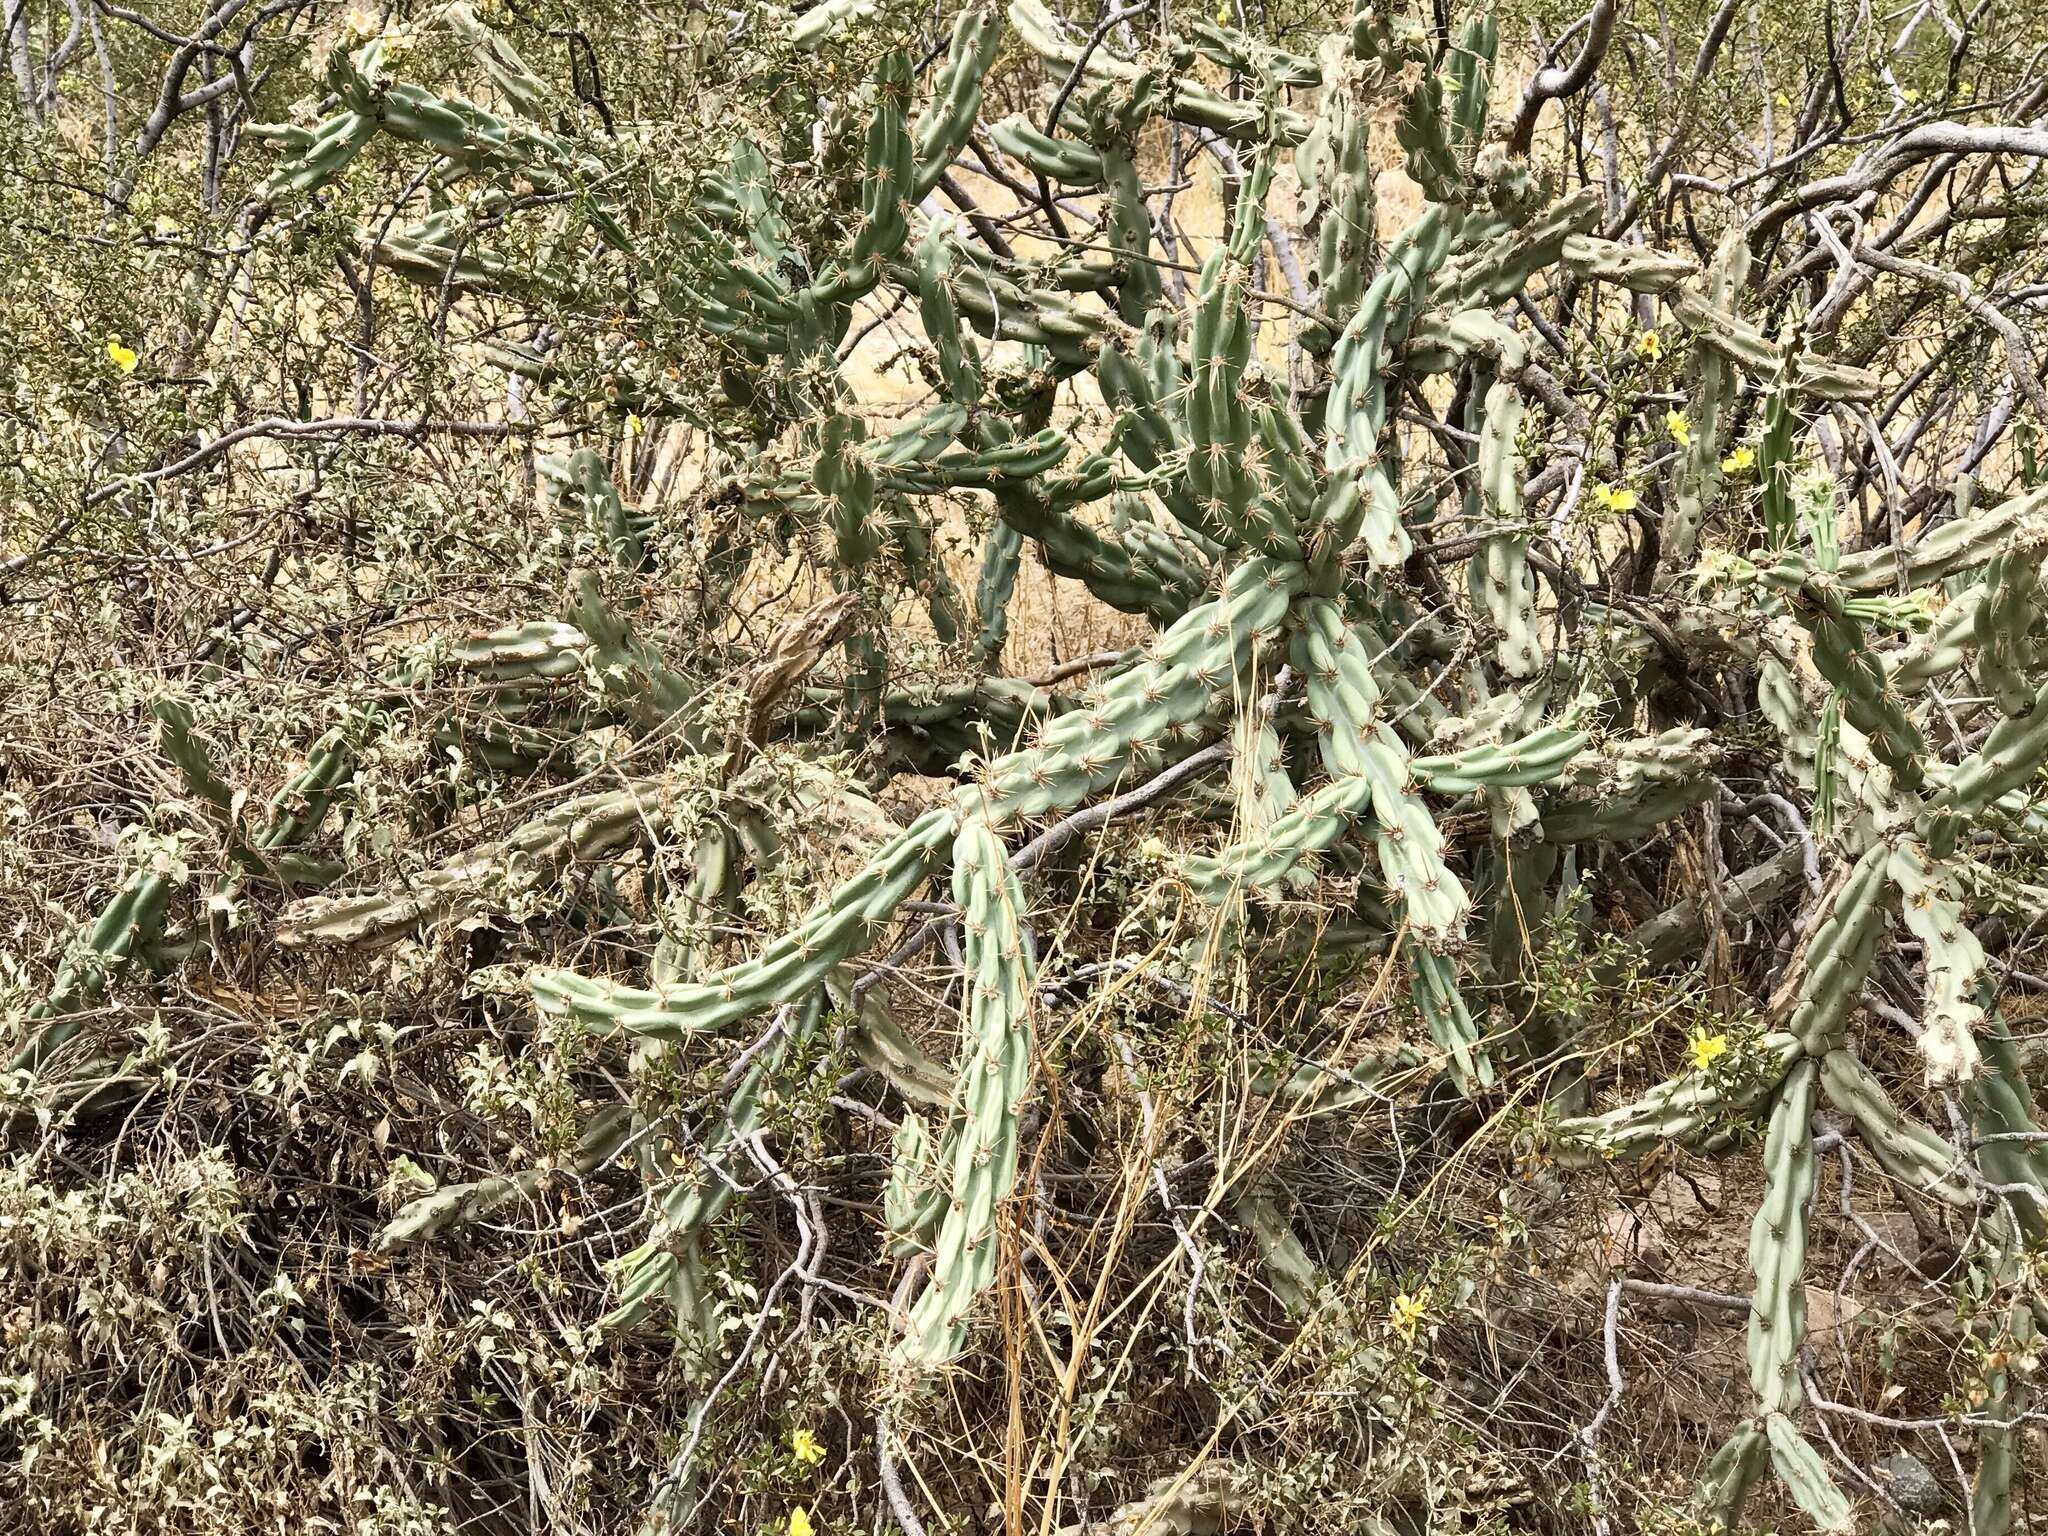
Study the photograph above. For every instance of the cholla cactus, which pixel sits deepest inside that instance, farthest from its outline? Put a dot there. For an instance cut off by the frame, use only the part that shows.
(1464, 750)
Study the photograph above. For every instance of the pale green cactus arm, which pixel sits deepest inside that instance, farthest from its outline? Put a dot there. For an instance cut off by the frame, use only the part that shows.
(1245, 54)
(1344, 698)
(1686, 1109)
(1777, 1245)
(297, 809)
(1261, 790)
(471, 138)
(1839, 954)
(1732, 1475)
(1234, 489)
(1499, 579)
(1784, 703)
(984, 468)
(1777, 1313)
(669, 1269)
(1290, 1272)
(178, 741)
(959, 359)
(1187, 101)
(1960, 544)
(1317, 821)
(631, 672)
(1933, 913)
(1827, 754)
(1334, 167)
(1128, 224)
(1946, 645)
(95, 958)
(1675, 933)
(1907, 1149)
(1696, 483)
(1421, 128)
(583, 486)
(995, 582)
(912, 1202)
(2009, 1153)
(812, 29)
(1121, 573)
(1202, 661)
(978, 1158)
(1541, 757)
(846, 480)
(1069, 161)
(1433, 982)
(801, 959)
(522, 89)
(884, 1048)
(316, 157)
(421, 1220)
(1805, 1476)
(1843, 655)
(1774, 465)
(1363, 495)
(2007, 1392)
(1637, 784)
(1493, 263)
(1079, 754)
(714, 877)
(1141, 385)
(943, 126)
(887, 193)
(996, 306)
(921, 438)
(508, 665)
(2010, 757)
(581, 829)
(1749, 349)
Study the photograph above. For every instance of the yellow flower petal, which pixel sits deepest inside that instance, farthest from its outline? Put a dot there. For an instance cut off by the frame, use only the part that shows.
(1738, 461)
(1650, 345)
(805, 1447)
(1405, 1313)
(800, 1522)
(1679, 428)
(1706, 1049)
(123, 358)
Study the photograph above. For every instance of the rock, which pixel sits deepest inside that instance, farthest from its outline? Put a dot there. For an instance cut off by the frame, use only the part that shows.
(1910, 1483)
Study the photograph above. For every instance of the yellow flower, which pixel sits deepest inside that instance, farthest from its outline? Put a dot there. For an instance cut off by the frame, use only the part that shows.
(1910, 94)
(804, 1446)
(1738, 461)
(1680, 430)
(1707, 1049)
(800, 1522)
(1650, 345)
(1405, 1313)
(122, 357)
(1623, 500)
